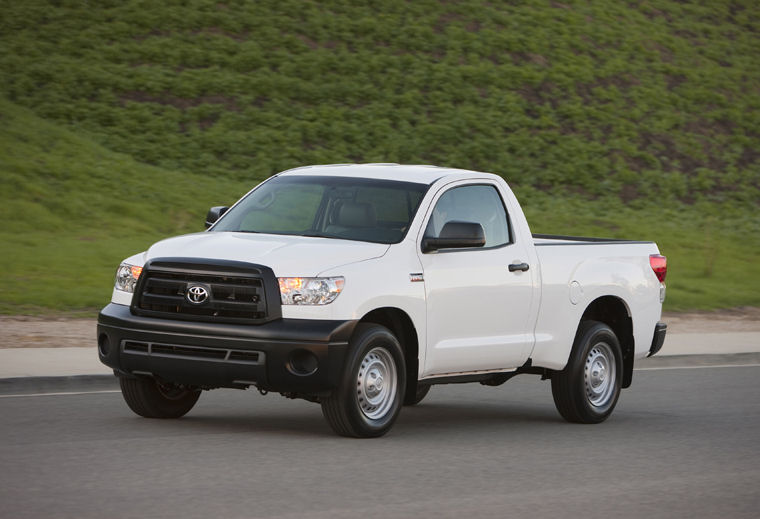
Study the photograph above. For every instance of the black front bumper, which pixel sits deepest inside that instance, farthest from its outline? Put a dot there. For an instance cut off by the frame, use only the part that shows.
(286, 355)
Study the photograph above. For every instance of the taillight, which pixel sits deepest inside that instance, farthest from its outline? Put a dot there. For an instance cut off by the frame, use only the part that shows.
(659, 265)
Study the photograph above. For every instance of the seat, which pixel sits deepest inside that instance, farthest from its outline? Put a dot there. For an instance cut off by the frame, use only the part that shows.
(353, 220)
(348, 214)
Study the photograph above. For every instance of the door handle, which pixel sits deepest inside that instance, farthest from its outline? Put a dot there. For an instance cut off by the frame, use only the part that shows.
(518, 266)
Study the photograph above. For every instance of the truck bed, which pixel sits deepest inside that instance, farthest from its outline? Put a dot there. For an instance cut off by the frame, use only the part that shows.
(556, 239)
(578, 271)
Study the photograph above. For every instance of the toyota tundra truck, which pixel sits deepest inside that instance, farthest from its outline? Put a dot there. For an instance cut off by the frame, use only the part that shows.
(359, 287)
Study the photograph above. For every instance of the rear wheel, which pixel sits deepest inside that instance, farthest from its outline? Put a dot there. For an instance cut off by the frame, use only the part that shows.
(587, 390)
(151, 398)
(370, 394)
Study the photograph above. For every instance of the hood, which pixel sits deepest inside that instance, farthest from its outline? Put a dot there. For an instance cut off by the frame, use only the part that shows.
(285, 255)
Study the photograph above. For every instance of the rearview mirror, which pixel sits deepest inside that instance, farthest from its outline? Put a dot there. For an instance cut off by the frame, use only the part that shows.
(214, 214)
(456, 235)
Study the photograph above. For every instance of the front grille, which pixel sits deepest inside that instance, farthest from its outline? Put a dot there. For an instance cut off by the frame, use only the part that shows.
(224, 292)
(238, 298)
(193, 352)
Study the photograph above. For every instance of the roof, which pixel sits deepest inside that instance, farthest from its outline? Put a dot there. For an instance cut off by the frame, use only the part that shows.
(420, 174)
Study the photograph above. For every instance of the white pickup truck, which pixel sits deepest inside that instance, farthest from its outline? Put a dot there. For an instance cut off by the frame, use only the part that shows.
(360, 286)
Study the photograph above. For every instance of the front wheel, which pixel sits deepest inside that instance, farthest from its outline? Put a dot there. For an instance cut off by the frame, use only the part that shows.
(587, 390)
(151, 398)
(370, 394)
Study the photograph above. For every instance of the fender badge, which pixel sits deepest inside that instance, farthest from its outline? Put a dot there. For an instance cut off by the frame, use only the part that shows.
(417, 277)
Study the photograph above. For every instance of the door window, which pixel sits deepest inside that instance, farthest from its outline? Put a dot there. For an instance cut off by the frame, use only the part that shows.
(478, 204)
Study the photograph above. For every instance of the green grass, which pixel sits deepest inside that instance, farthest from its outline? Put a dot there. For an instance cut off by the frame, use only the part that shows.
(72, 210)
(637, 99)
(123, 121)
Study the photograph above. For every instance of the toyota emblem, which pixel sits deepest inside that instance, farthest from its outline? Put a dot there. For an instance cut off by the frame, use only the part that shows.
(196, 294)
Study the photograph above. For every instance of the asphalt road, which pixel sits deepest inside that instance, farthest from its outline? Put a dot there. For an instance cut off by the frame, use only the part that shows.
(681, 443)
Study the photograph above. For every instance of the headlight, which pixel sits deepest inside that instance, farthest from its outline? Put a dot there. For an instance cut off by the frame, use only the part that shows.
(310, 291)
(126, 277)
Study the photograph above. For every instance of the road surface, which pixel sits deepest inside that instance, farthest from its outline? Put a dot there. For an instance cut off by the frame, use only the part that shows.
(681, 443)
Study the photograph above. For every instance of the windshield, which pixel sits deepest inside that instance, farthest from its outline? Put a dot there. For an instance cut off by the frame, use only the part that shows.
(361, 209)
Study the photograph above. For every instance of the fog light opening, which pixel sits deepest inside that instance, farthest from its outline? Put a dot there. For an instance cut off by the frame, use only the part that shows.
(302, 363)
(104, 345)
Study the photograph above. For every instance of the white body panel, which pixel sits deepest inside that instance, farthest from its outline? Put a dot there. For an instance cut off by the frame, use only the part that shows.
(286, 255)
(598, 270)
(471, 314)
(480, 315)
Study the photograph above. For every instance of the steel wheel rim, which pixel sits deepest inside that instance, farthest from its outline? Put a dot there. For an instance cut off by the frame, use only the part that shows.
(376, 383)
(599, 375)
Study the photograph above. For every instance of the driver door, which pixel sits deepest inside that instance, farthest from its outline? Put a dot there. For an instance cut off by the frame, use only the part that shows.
(478, 311)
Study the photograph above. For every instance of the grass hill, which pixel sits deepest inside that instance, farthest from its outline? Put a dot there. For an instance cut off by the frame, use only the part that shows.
(123, 121)
(71, 210)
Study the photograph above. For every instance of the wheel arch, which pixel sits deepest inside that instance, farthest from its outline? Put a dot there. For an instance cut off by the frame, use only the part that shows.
(402, 326)
(615, 313)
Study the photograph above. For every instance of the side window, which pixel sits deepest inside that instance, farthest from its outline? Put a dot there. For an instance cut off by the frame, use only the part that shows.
(479, 204)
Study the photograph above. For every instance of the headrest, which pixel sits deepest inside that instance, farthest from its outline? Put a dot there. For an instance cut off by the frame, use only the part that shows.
(353, 214)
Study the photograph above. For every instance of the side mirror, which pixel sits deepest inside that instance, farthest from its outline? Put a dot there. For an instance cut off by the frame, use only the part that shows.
(456, 235)
(214, 214)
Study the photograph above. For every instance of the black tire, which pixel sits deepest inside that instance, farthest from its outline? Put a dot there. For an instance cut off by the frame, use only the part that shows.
(152, 399)
(360, 406)
(587, 390)
(420, 393)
